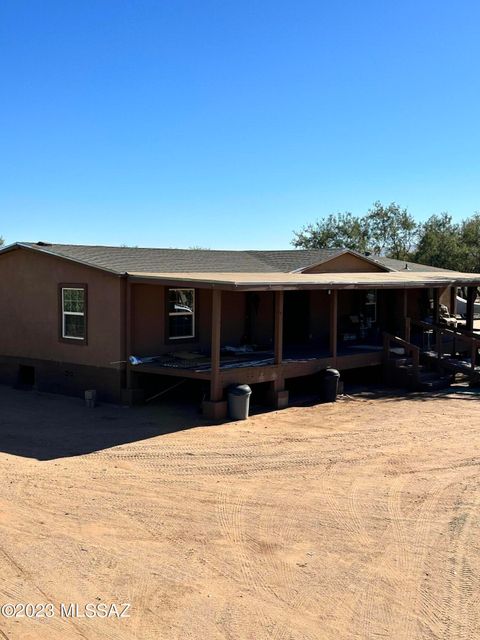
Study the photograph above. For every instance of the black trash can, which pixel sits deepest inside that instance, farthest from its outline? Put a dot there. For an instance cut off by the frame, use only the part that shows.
(239, 401)
(329, 385)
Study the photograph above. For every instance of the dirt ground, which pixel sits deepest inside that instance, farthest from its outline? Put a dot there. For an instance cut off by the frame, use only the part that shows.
(358, 520)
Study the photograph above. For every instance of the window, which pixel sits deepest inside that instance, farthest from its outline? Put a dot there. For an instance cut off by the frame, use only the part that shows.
(181, 313)
(73, 308)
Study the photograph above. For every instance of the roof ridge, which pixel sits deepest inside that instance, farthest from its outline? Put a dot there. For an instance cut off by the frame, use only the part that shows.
(133, 247)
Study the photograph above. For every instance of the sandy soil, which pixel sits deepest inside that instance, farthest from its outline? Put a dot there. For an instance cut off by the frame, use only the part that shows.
(358, 520)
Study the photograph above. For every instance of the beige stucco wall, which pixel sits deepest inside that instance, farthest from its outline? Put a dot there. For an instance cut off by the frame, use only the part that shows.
(29, 310)
(345, 263)
(149, 317)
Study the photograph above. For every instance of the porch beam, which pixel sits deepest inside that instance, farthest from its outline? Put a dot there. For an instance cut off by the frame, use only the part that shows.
(333, 322)
(297, 286)
(216, 390)
(278, 330)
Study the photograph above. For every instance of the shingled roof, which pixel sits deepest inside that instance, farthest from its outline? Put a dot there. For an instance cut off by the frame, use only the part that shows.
(121, 260)
(124, 259)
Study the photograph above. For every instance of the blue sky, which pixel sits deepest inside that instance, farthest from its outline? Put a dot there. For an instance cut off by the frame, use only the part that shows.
(228, 124)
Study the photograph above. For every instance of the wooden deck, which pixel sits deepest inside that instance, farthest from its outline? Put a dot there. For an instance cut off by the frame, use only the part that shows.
(264, 369)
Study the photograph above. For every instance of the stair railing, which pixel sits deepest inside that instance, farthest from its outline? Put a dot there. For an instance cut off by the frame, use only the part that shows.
(411, 351)
(472, 339)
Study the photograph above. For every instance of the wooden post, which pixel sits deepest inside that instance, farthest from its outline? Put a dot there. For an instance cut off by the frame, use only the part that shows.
(333, 323)
(386, 354)
(128, 333)
(453, 300)
(408, 329)
(438, 344)
(416, 363)
(405, 316)
(278, 336)
(216, 390)
(471, 296)
(436, 306)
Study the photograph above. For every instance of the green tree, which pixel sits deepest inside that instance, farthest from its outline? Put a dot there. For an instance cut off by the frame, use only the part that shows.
(385, 230)
(470, 239)
(440, 243)
(336, 230)
(392, 231)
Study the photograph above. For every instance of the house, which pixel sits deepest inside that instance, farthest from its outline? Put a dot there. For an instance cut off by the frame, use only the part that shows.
(112, 318)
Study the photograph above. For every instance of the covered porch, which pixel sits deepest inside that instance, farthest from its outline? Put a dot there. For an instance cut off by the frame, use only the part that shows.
(254, 331)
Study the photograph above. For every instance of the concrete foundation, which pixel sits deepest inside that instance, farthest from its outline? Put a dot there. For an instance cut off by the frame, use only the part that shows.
(62, 377)
(280, 399)
(215, 410)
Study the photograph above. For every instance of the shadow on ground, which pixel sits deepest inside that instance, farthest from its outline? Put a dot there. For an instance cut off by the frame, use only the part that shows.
(46, 426)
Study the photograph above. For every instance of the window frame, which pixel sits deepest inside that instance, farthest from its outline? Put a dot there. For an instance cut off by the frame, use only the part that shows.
(193, 314)
(61, 313)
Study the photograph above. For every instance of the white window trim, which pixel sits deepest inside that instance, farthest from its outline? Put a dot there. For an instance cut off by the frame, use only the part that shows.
(72, 313)
(183, 313)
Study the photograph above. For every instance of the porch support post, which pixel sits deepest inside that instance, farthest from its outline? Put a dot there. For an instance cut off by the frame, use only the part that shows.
(471, 296)
(406, 319)
(215, 387)
(279, 396)
(453, 300)
(215, 408)
(278, 337)
(132, 393)
(333, 323)
(436, 306)
(128, 332)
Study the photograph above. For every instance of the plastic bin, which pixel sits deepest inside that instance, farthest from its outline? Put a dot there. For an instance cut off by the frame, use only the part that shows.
(239, 401)
(329, 386)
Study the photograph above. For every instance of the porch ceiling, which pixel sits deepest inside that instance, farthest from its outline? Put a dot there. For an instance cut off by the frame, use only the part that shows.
(272, 281)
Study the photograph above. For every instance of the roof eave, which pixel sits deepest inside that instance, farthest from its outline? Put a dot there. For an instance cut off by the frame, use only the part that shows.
(233, 285)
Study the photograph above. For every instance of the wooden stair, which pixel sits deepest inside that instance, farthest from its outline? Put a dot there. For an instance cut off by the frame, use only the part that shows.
(402, 373)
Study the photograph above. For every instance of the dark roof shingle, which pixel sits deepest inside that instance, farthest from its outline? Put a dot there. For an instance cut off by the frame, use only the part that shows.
(123, 259)
(135, 259)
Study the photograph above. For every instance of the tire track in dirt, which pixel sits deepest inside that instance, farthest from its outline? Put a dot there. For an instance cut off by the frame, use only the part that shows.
(295, 593)
(411, 544)
(230, 506)
(367, 602)
(300, 594)
(53, 622)
(354, 528)
(355, 514)
(306, 595)
(461, 609)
